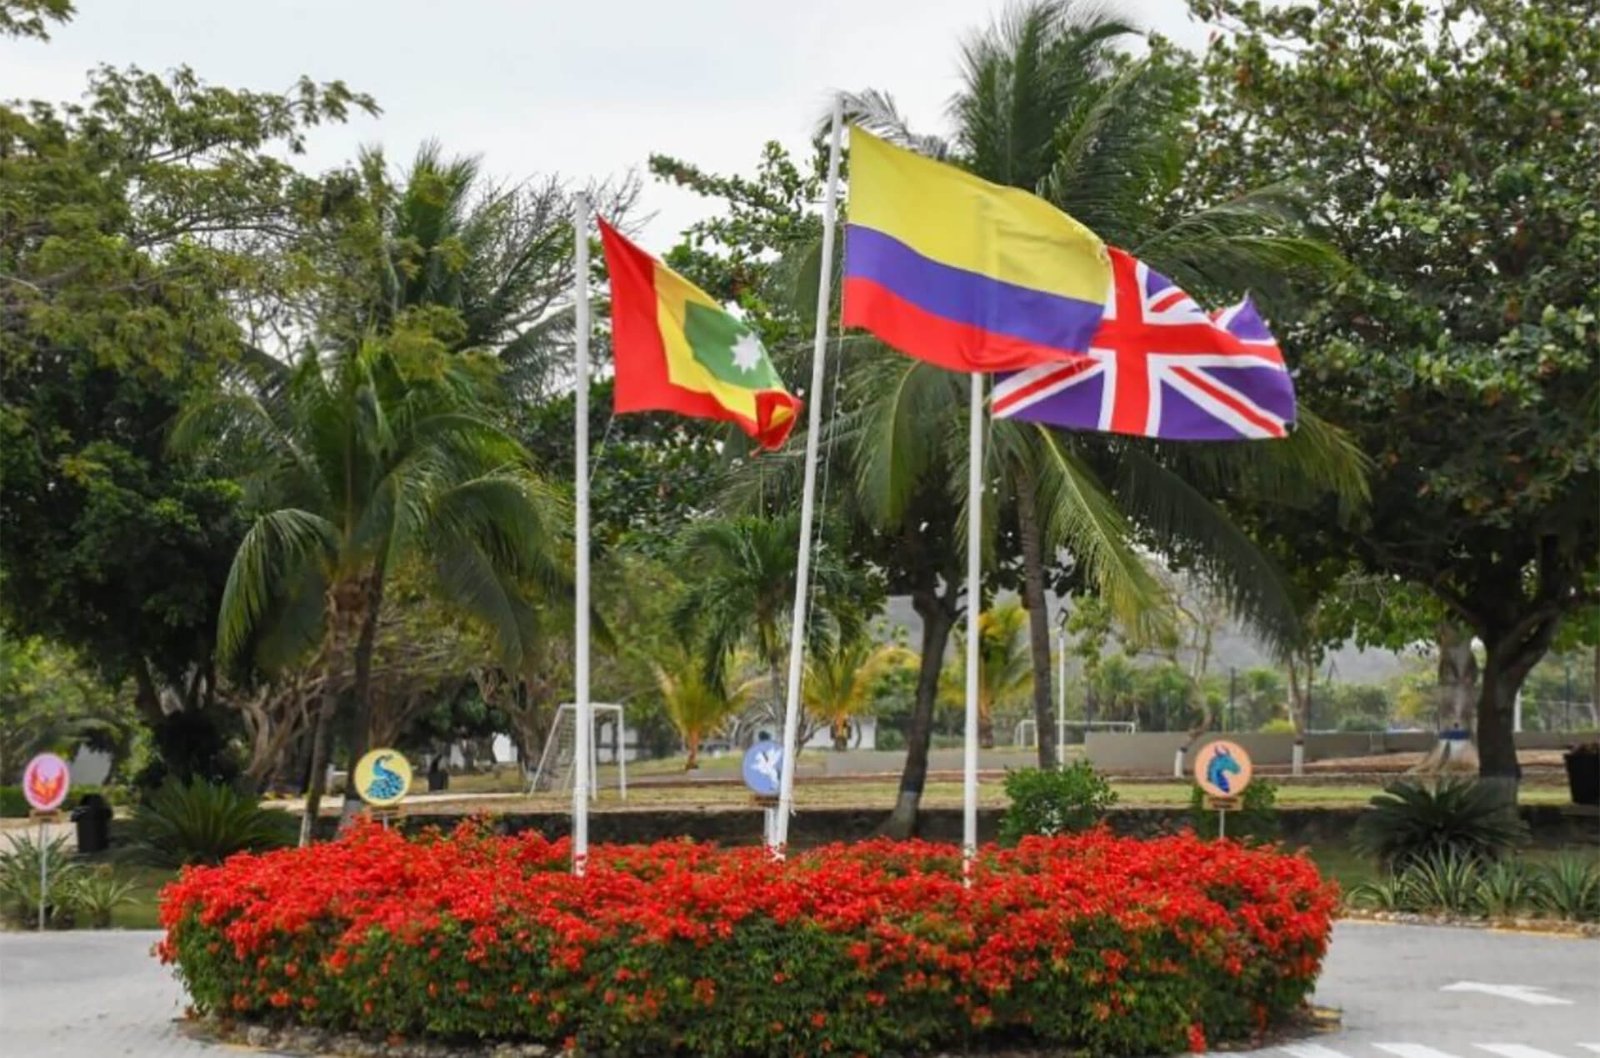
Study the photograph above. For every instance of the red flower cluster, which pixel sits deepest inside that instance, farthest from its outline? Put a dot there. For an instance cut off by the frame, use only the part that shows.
(1112, 945)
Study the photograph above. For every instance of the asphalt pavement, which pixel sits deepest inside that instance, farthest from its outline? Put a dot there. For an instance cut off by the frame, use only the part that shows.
(1403, 992)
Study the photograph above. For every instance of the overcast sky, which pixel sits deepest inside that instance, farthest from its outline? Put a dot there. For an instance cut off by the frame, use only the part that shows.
(585, 89)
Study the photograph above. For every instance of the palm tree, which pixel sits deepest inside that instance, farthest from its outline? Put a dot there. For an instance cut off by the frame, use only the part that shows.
(1005, 674)
(364, 464)
(1049, 104)
(839, 682)
(741, 574)
(697, 703)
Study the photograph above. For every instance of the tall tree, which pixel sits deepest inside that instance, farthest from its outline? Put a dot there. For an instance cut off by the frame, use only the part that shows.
(134, 226)
(1452, 149)
(365, 463)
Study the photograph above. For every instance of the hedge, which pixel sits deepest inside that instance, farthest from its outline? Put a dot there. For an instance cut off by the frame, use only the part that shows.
(1112, 945)
(14, 805)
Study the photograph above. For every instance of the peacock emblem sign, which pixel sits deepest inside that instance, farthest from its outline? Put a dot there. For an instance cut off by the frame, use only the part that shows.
(383, 777)
(45, 781)
(1222, 768)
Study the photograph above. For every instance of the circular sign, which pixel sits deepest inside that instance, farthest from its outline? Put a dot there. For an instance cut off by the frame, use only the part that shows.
(383, 777)
(763, 768)
(1222, 768)
(45, 781)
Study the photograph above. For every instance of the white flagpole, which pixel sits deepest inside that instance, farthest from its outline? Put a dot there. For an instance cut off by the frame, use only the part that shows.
(580, 661)
(808, 495)
(969, 771)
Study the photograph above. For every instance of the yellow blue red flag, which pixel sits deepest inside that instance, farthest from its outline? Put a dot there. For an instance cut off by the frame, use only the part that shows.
(969, 275)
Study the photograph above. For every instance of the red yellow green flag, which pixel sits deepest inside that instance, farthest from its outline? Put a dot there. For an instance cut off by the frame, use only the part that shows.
(677, 350)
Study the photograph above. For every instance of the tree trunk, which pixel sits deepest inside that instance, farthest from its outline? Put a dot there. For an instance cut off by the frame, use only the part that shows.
(1458, 675)
(145, 694)
(361, 727)
(319, 758)
(841, 735)
(1509, 657)
(1497, 745)
(1033, 599)
(985, 730)
(937, 618)
(1299, 709)
(692, 743)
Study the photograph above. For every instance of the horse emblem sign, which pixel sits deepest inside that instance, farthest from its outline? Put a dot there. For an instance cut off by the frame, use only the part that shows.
(383, 777)
(1222, 769)
(45, 781)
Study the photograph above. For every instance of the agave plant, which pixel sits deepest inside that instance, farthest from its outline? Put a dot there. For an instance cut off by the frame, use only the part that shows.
(96, 894)
(1507, 889)
(1570, 888)
(1444, 882)
(20, 884)
(1411, 821)
(200, 822)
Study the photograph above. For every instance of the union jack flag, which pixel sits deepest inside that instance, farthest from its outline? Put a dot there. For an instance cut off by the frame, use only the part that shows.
(1160, 366)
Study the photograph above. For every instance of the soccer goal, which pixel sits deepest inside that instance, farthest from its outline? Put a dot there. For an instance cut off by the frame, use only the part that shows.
(608, 739)
(1027, 731)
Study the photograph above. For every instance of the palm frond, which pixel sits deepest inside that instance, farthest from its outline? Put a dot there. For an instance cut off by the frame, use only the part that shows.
(895, 454)
(876, 112)
(1182, 524)
(1317, 460)
(1081, 517)
(278, 549)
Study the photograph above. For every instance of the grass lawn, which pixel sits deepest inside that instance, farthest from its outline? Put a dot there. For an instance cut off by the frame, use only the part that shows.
(141, 912)
(878, 793)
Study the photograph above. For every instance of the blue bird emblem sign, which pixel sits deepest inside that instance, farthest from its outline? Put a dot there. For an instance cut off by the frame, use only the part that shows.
(382, 777)
(1222, 768)
(763, 767)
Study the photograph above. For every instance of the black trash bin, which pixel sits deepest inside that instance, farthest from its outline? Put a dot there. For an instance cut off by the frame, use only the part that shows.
(93, 817)
(438, 777)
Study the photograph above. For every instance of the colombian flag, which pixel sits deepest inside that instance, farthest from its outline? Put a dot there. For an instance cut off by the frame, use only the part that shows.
(677, 350)
(963, 273)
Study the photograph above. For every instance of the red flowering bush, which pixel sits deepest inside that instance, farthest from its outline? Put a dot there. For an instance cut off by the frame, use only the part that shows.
(1115, 946)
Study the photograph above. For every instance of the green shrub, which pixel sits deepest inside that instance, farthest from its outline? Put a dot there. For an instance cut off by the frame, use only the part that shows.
(1047, 802)
(198, 822)
(15, 806)
(12, 804)
(1086, 944)
(19, 880)
(1256, 818)
(1411, 822)
(1569, 888)
(1278, 726)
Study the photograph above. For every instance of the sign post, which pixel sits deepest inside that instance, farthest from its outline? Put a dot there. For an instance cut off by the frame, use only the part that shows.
(45, 782)
(382, 779)
(763, 770)
(1222, 770)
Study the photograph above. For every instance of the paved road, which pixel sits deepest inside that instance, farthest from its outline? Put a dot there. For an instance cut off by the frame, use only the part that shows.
(1405, 992)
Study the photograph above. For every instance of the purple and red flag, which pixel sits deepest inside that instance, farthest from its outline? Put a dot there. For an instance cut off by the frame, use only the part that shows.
(1160, 366)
